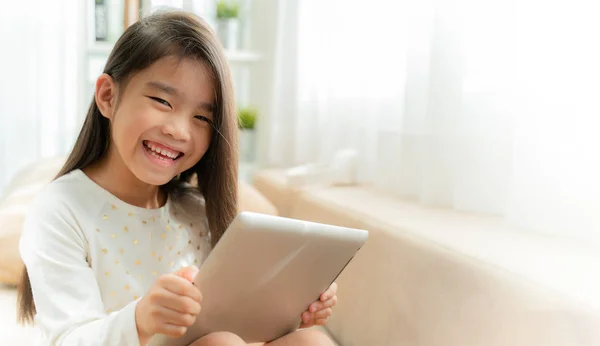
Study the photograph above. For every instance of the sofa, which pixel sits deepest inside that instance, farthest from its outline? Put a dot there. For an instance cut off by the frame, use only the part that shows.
(437, 277)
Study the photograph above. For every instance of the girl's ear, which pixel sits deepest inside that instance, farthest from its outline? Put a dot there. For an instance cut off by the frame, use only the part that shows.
(106, 95)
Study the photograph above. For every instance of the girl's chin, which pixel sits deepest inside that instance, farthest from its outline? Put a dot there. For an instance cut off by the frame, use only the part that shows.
(153, 178)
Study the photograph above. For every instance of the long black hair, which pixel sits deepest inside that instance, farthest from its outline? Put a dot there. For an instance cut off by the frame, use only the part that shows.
(180, 34)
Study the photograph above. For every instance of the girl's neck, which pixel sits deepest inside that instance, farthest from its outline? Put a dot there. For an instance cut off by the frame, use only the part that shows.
(112, 174)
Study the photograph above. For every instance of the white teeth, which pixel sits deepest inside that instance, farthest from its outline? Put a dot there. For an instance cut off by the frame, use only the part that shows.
(157, 156)
(156, 151)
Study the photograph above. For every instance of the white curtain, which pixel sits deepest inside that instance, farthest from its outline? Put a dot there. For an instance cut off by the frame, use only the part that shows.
(488, 106)
(39, 90)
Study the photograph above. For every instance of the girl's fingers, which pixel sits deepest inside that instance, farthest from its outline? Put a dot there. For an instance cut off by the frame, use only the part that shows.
(173, 317)
(319, 305)
(311, 316)
(331, 291)
(325, 313)
(316, 318)
(306, 325)
(306, 317)
(171, 330)
(188, 273)
(321, 322)
(334, 288)
(179, 286)
(181, 304)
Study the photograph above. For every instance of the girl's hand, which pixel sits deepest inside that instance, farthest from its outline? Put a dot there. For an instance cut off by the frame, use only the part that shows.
(319, 312)
(170, 306)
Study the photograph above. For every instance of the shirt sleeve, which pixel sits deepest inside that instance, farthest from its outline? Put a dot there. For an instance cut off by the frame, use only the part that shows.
(65, 290)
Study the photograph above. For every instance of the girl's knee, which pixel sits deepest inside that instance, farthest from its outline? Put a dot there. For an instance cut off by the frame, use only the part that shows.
(219, 339)
(313, 337)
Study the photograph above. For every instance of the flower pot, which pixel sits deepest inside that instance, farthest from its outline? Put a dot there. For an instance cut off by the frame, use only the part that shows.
(228, 32)
(247, 145)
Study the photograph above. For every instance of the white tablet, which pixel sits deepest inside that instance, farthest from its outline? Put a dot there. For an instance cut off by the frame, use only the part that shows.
(264, 273)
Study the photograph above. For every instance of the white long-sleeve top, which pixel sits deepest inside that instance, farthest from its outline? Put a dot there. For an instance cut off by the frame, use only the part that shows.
(91, 256)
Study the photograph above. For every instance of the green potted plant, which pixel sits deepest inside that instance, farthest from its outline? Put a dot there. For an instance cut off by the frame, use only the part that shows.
(228, 23)
(246, 122)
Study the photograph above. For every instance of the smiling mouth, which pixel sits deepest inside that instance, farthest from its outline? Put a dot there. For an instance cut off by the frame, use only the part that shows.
(161, 153)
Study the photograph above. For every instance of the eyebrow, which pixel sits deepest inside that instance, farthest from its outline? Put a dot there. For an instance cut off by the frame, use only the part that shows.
(167, 89)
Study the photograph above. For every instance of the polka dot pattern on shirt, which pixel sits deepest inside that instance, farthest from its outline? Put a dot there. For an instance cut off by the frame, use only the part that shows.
(132, 259)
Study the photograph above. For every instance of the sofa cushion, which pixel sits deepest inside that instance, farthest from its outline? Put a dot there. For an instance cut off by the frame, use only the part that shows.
(249, 199)
(14, 203)
(33, 177)
(273, 184)
(10, 233)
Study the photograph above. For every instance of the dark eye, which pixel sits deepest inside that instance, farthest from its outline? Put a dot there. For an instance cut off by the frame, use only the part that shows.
(161, 101)
(203, 118)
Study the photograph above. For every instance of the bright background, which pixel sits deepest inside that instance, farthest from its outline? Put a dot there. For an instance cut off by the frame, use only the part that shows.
(484, 106)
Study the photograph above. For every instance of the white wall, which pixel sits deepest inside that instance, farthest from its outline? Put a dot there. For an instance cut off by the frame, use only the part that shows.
(264, 17)
(39, 92)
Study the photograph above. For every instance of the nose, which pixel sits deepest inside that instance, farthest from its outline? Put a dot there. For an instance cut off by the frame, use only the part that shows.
(178, 127)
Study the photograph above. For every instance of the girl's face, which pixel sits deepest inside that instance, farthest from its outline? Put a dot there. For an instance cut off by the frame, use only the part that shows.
(162, 125)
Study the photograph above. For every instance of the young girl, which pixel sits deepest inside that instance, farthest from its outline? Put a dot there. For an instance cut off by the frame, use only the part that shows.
(112, 245)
